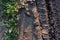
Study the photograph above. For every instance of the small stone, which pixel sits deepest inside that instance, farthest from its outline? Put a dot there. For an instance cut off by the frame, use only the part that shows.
(45, 31)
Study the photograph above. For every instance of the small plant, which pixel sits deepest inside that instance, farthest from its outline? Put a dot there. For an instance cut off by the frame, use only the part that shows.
(9, 18)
